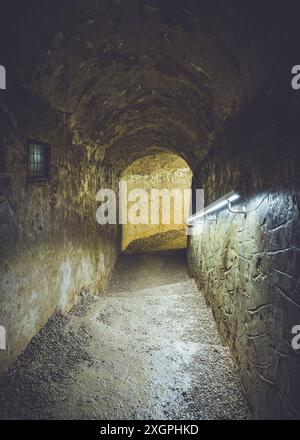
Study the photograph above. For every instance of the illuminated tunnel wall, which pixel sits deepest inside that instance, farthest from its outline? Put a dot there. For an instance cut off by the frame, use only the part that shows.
(50, 243)
(162, 171)
(248, 268)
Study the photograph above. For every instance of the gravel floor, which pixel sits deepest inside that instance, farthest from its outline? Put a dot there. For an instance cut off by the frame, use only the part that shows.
(148, 349)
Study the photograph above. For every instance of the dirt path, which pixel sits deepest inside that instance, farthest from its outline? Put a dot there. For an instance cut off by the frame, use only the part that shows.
(147, 349)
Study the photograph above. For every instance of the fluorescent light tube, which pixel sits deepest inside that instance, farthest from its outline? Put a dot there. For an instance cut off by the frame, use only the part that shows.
(216, 206)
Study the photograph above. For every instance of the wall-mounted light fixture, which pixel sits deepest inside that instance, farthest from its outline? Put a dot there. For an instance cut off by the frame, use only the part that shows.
(224, 202)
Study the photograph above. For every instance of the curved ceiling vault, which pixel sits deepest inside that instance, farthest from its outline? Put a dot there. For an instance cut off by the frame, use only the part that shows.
(140, 76)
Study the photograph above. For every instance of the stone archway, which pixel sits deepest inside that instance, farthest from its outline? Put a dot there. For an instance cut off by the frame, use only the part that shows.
(169, 174)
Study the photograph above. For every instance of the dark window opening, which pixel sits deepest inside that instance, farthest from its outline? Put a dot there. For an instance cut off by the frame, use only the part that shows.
(38, 164)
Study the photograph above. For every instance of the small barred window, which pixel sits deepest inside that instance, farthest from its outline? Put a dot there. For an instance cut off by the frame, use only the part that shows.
(38, 164)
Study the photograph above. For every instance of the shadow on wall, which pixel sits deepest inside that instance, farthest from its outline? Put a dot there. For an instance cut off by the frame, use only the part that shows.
(249, 272)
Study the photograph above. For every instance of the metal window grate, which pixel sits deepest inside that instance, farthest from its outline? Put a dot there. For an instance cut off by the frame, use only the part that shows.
(38, 161)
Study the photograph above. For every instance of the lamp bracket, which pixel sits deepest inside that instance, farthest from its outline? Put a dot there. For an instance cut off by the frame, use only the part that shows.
(211, 218)
(241, 211)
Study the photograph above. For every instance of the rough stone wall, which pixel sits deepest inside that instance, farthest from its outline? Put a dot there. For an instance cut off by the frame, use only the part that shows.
(162, 171)
(50, 244)
(249, 271)
(139, 75)
(249, 268)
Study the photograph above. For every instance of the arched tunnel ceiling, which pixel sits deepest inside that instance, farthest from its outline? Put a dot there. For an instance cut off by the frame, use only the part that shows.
(157, 163)
(137, 76)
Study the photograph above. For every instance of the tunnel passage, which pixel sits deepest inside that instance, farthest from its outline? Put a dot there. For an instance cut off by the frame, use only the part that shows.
(147, 349)
(105, 83)
(162, 181)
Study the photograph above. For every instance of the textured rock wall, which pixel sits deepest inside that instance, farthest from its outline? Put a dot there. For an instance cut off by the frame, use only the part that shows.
(136, 76)
(249, 268)
(50, 244)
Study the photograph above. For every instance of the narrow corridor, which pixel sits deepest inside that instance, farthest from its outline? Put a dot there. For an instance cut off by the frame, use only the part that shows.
(149, 348)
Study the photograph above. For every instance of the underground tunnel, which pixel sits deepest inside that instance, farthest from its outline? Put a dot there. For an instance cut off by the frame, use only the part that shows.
(196, 319)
